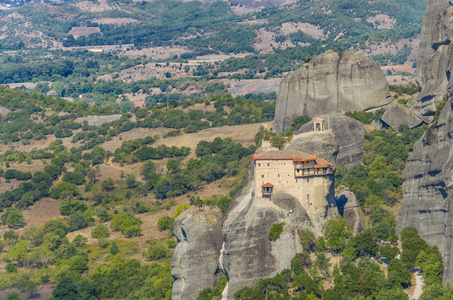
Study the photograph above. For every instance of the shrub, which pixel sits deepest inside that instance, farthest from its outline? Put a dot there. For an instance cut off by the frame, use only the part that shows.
(165, 223)
(100, 232)
(156, 251)
(276, 230)
(13, 218)
(114, 249)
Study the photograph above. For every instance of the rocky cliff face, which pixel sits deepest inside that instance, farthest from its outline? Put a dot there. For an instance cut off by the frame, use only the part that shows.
(238, 244)
(331, 83)
(428, 176)
(195, 260)
(344, 145)
(434, 61)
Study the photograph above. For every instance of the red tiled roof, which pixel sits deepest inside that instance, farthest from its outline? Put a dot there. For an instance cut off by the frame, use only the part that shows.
(294, 155)
(267, 185)
(322, 163)
(285, 154)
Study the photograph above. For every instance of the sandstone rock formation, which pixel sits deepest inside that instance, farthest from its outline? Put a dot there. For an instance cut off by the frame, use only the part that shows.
(195, 260)
(428, 176)
(434, 61)
(331, 83)
(322, 145)
(349, 209)
(348, 137)
(397, 115)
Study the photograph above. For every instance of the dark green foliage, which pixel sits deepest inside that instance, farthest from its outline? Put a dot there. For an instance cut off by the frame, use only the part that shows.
(364, 117)
(216, 292)
(114, 249)
(412, 245)
(13, 218)
(66, 290)
(379, 179)
(101, 231)
(56, 227)
(68, 207)
(276, 230)
(165, 223)
(156, 252)
(11, 268)
(297, 122)
(408, 89)
(440, 106)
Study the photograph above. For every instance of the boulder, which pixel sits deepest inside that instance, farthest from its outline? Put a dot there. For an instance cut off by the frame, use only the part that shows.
(195, 260)
(348, 136)
(331, 83)
(349, 209)
(323, 146)
(397, 115)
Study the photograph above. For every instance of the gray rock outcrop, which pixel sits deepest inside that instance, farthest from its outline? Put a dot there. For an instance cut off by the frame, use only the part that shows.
(331, 83)
(195, 260)
(324, 146)
(428, 176)
(349, 209)
(237, 245)
(397, 115)
(434, 63)
(346, 146)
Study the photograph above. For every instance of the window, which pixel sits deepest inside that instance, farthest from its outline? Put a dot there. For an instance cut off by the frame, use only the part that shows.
(268, 164)
(308, 179)
(259, 165)
(278, 175)
(262, 176)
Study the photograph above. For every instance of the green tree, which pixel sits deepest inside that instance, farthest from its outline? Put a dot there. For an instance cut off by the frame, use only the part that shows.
(278, 141)
(66, 290)
(165, 223)
(276, 230)
(13, 218)
(114, 249)
(337, 232)
(156, 252)
(308, 240)
(101, 231)
(78, 264)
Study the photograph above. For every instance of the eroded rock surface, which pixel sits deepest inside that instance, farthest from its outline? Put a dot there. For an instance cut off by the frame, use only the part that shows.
(331, 83)
(195, 260)
(350, 210)
(434, 62)
(348, 138)
(428, 176)
(237, 245)
(397, 115)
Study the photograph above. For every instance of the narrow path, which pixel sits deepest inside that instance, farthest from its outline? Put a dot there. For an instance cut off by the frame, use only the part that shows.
(110, 163)
(419, 283)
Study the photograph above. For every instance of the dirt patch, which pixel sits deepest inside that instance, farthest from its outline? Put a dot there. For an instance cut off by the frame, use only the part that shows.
(116, 21)
(158, 52)
(90, 6)
(44, 292)
(98, 120)
(243, 87)
(44, 210)
(83, 31)
(382, 21)
(307, 28)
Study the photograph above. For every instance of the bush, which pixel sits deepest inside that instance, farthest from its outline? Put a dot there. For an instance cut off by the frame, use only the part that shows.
(165, 223)
(11, 268)
(100, 232)
(276, 230)
(13, 218)
(156, 251)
